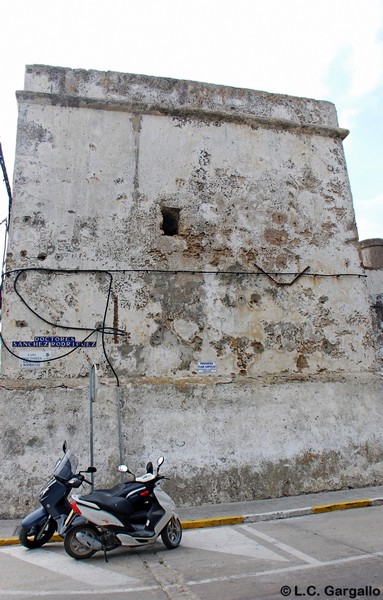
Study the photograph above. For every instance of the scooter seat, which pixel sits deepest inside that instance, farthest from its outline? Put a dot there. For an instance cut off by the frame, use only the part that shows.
(124, 498)
(114, 504)
(121, 489)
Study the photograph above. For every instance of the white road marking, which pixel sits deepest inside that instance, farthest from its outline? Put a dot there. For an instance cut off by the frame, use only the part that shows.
(304, 567)
(108, 591)
(67, 593)
(228, 541)
(289, 549)
(62, 564)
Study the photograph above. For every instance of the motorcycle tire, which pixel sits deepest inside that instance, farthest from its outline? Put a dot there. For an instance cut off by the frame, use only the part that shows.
(74, 547)
(172, 533)
(30, 538)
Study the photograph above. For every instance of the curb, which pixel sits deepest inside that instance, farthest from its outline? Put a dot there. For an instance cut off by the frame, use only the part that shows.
(312, 510)
(213, 522)
(255, 518)
(11, 541)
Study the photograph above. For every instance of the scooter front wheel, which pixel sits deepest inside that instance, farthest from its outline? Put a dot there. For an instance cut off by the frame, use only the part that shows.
(35, 537)
(74, 547)
(172, 533)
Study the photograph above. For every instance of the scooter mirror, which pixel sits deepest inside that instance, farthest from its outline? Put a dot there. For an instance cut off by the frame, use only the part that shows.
(91, 470)
(123, 469)
(149, 467)
(160, 461)
(65, 447)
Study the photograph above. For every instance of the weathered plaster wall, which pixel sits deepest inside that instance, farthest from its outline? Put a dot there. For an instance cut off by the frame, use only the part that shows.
(222, 441)
(372, 256)
(263, 279)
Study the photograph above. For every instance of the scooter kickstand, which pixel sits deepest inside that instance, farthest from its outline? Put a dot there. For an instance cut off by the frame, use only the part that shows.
(104, 549)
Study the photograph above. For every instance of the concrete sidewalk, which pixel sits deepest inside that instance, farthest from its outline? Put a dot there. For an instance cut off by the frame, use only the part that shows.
(210, 515)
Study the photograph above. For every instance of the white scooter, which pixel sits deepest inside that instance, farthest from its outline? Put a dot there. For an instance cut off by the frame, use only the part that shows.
(134, 513)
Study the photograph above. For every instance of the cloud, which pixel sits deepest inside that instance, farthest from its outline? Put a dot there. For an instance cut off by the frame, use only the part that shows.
(330, 50)
(369, 217)
(374, 203)
(367, 51)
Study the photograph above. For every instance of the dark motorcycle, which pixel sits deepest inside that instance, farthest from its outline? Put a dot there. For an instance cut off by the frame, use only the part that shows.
(38, 527)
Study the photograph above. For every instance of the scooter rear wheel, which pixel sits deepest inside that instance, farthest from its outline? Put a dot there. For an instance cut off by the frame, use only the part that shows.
(29, 537)
(172, 533)
(74, 547)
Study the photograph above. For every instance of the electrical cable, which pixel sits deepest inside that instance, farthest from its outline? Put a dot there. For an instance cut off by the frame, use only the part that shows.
(7, 185)
(107, 330)
(7, 220)
(104, 329)
(260, 272)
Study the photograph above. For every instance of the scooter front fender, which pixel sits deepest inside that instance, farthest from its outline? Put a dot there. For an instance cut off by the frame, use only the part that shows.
(165, 501)
(35, 518)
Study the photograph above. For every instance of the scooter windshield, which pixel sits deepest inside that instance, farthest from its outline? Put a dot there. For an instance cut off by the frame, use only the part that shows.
(67, 466)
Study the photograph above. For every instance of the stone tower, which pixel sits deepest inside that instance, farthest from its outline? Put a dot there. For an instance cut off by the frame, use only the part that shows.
(198, 244)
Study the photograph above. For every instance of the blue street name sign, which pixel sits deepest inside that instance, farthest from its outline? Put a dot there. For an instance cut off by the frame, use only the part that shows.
(42, 341)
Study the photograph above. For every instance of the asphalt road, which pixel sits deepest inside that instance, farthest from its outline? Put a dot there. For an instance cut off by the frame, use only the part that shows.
(332, 555)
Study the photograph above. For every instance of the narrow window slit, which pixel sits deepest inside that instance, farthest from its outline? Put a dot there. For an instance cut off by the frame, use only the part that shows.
(170, 220)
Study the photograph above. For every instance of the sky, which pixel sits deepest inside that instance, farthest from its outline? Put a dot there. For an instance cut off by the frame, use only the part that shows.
(328, 50)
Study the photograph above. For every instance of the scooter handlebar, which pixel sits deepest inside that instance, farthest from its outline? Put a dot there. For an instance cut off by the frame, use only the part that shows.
(77, 480)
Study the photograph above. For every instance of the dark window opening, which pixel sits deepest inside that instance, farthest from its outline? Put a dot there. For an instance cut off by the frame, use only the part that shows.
(170, 220)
